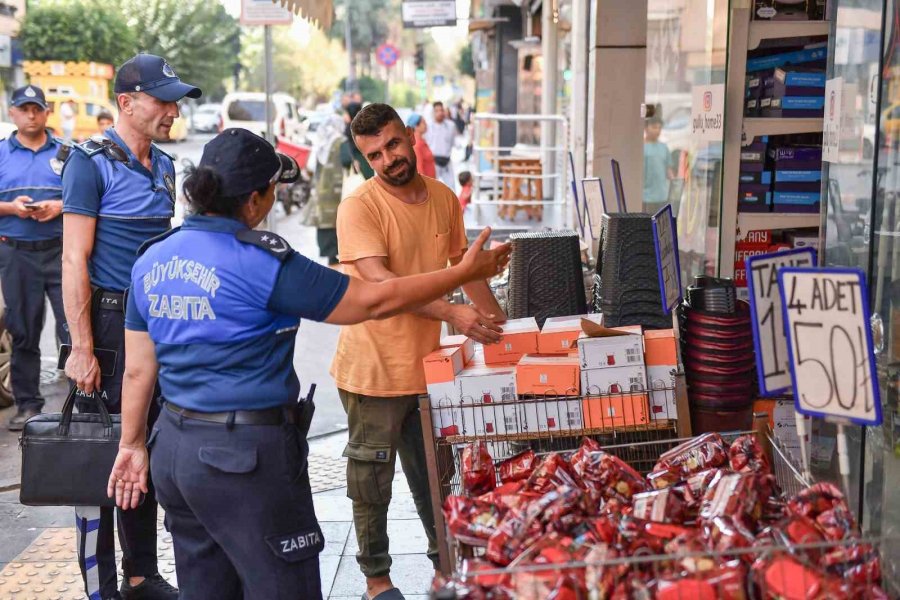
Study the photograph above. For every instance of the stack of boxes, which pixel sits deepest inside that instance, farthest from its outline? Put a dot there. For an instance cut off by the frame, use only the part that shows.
(614, 364)
(755, 183)
(789, 84)
(789, 10)
(780, 177)
(766, 241)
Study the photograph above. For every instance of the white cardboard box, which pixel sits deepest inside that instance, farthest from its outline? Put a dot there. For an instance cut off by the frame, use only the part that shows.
(482, 389)
(446, 416)
(661, 381)
(611, 352)
(559, 334)
(613, 380)
(467, 344)
(557, 414)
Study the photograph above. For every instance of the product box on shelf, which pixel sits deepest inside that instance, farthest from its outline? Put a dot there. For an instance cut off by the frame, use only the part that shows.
(752, 107)
(754, 202)
(781, 154)
(798, 208)
(551, 414)
(555, 374)
(466, 343)
(798, 187)
(798, 239)
(487, 399)
(793, 82)
(812, 56)
(771, 10)
(615, 411)
(443, 364)
(797, 107)
(446, 409)
(661, 357)
(623, 348)
(791, 176)
(762, 177)
(520, 337)
(742, 252)
(797, 197)
(756, 236)
(614, 380)
(560, 333)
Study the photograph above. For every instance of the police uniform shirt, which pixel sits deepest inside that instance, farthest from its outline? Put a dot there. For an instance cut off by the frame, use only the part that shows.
(223, 313)
(130, 203)
(32, 173)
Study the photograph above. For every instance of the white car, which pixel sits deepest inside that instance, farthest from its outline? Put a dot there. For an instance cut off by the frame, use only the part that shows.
(247, 110)
(205, 118)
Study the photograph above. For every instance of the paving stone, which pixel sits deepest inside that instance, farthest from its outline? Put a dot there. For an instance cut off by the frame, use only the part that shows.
(402, 507)
(333, 508)
(336, 533)
(326, 472)
(411, 573)
(328, 567)
(406, 536)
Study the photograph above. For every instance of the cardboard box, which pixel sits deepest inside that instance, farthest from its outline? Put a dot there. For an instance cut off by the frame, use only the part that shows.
(560, 333)
(489, 419)
(661, 381)
(467, 344)
(614, 380)
(550, 374)
(520, 337)
(551, 414)
(615, 411)
(446, 415)
(443, 364)
(613, 350)
(659, 347)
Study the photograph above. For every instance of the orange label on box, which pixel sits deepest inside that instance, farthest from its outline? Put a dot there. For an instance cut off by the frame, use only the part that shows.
(548, 375)
(615, 411)
(659, 347)
(443, 365)
(520, 337)
(560, 333)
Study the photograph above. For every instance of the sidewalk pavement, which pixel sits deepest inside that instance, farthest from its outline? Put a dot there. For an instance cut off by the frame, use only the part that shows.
(38, 561)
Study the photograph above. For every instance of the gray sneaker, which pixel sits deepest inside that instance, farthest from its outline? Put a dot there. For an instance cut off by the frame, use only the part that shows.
(17, 423)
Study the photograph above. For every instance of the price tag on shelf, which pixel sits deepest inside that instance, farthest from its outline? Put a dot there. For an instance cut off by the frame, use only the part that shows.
(772, 364)
(832, 360)
(665, 242)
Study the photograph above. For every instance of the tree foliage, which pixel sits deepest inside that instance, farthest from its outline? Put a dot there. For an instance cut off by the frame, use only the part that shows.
(465, 64)
(77, 30)
(370, 22)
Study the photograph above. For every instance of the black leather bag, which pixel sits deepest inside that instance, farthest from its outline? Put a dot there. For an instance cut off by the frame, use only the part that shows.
(67, 458)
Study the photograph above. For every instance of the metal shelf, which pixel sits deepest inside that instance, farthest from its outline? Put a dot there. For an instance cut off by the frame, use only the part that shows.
(754, 221)
(755, 127)
(766, 30)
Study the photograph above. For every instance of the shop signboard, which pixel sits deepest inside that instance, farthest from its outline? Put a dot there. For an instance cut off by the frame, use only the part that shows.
(772, 365)
(264, 12)
(831, 127)
(428, 13)
(826, 316)
(593, 193)
(708, 112)
(665, 242)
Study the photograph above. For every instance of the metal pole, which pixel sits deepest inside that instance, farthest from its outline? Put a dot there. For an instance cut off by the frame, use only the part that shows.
(348, 44)
(268, 52)
(549, 84)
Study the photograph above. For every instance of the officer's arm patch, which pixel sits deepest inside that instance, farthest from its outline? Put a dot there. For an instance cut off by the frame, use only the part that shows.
(274, 244)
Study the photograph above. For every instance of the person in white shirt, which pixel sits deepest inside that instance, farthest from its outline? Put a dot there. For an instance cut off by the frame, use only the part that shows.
(67, 120)
(440, 136)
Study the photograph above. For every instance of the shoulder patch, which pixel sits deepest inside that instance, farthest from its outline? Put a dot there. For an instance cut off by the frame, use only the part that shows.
(90, 147)
(153, 240)
(274, 244)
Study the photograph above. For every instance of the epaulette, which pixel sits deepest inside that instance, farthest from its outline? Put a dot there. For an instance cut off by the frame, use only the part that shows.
(272, 243)
(153, 240)
(63, 152)
(90, 147)
(163, 152)
(100, 144)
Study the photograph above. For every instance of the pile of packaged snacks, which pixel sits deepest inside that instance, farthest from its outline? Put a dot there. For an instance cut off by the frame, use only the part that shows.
(702, 496)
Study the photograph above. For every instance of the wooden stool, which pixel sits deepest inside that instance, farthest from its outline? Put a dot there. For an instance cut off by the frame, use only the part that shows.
(521, 188)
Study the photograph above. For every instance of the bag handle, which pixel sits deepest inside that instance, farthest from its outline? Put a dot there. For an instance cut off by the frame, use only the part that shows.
(69, 407)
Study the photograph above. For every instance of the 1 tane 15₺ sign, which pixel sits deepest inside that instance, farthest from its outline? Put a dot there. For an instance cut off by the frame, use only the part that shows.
(826, 318)
(708, 112)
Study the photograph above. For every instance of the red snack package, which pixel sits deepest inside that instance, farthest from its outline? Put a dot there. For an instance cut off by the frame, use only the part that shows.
(553, 472)
(470, 520)
(694, 487)
(601, 578)
(479, 475)
(662, 506)
(603, 529)
(693, 456)
(687, 544)
(567, 588)
(796, 530)
(837, 523)
(817, 499)
(746, 455)
(783, 577)
(474, 570)
(512, 536)
(725, 583)
(509, 495)
(733, 496)
(858, 563)
(588, 445)
(517, 468)
(724, 534)
(608, 477)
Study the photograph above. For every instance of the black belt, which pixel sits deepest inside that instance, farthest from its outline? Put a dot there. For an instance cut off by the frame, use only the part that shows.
(37, 245)
(109, 300)
(267, 416)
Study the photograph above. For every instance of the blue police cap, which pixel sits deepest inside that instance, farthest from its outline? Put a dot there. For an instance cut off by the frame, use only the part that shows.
(29, 94)
(245, 162)
(153, 75)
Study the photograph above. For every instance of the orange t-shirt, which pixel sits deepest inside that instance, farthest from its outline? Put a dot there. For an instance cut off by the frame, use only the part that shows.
(384, 358)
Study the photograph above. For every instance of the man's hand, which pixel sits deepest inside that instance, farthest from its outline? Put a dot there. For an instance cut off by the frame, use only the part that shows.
(82, 368)
(128, 478)
(485, 264)
(479, 326)
(19, 204)
(46, 210)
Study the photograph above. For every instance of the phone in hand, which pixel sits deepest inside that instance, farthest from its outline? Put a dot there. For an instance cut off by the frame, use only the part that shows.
(33, 206)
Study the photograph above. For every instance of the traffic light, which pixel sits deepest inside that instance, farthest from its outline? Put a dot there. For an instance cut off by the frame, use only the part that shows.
(420, 56)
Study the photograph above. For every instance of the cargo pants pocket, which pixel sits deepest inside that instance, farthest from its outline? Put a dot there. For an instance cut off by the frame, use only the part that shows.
(370, 472)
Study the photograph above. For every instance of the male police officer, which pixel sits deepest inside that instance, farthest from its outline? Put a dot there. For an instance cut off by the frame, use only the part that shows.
(118, 192)
(31, 161)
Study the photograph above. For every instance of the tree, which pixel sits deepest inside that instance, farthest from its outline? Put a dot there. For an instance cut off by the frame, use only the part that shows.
(197, 37)
(77, 30)
(465, 64)
(370, 25)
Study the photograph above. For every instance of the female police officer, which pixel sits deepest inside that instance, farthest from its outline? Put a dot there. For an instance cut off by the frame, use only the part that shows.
(213, 311)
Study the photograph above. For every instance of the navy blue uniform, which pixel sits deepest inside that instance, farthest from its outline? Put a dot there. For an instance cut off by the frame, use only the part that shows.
(30, 261)
(130, 205)
(222, 305)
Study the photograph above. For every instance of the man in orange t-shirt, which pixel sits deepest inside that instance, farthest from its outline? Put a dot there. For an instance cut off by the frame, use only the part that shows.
(395, 224)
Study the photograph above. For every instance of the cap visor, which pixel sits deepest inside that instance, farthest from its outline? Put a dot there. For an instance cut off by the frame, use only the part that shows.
(290, 172)
(174, 91)
(24, 101)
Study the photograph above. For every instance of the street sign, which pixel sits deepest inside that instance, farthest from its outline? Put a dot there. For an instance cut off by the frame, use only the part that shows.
(264, 12)
(772, 364)
(665, 242)
(428, 13)
(387, 55)
(439, 80)
(826, 316)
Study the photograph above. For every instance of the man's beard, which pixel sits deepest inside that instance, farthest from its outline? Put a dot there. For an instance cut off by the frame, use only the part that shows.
(408, 175)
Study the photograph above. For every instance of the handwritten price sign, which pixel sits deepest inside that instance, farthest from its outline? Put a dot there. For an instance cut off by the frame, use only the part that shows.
(665, 241)
(830, 344)
(772, 363)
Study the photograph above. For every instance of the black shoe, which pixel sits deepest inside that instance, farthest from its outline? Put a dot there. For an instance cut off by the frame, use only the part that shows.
(153, 587)
(17, 423)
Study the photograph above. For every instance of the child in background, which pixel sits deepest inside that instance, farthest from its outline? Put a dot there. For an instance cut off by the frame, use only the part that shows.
(465, 191)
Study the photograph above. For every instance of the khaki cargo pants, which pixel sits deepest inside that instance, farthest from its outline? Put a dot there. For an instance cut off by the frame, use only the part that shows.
(380, 429)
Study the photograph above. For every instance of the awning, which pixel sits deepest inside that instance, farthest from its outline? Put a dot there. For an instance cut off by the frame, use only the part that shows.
(320, 11)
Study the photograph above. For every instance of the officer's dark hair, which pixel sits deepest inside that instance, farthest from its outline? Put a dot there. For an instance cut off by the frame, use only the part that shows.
(203, 188)
(373, 118)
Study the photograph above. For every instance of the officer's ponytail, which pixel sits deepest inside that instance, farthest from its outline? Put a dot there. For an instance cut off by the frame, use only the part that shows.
(203, 188)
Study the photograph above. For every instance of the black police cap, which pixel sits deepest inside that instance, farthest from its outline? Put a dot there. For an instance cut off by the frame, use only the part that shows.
(29, 94)
(152, 74)
(246, 162)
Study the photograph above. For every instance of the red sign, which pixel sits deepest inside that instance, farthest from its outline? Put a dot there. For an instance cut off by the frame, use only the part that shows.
(387, 55)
